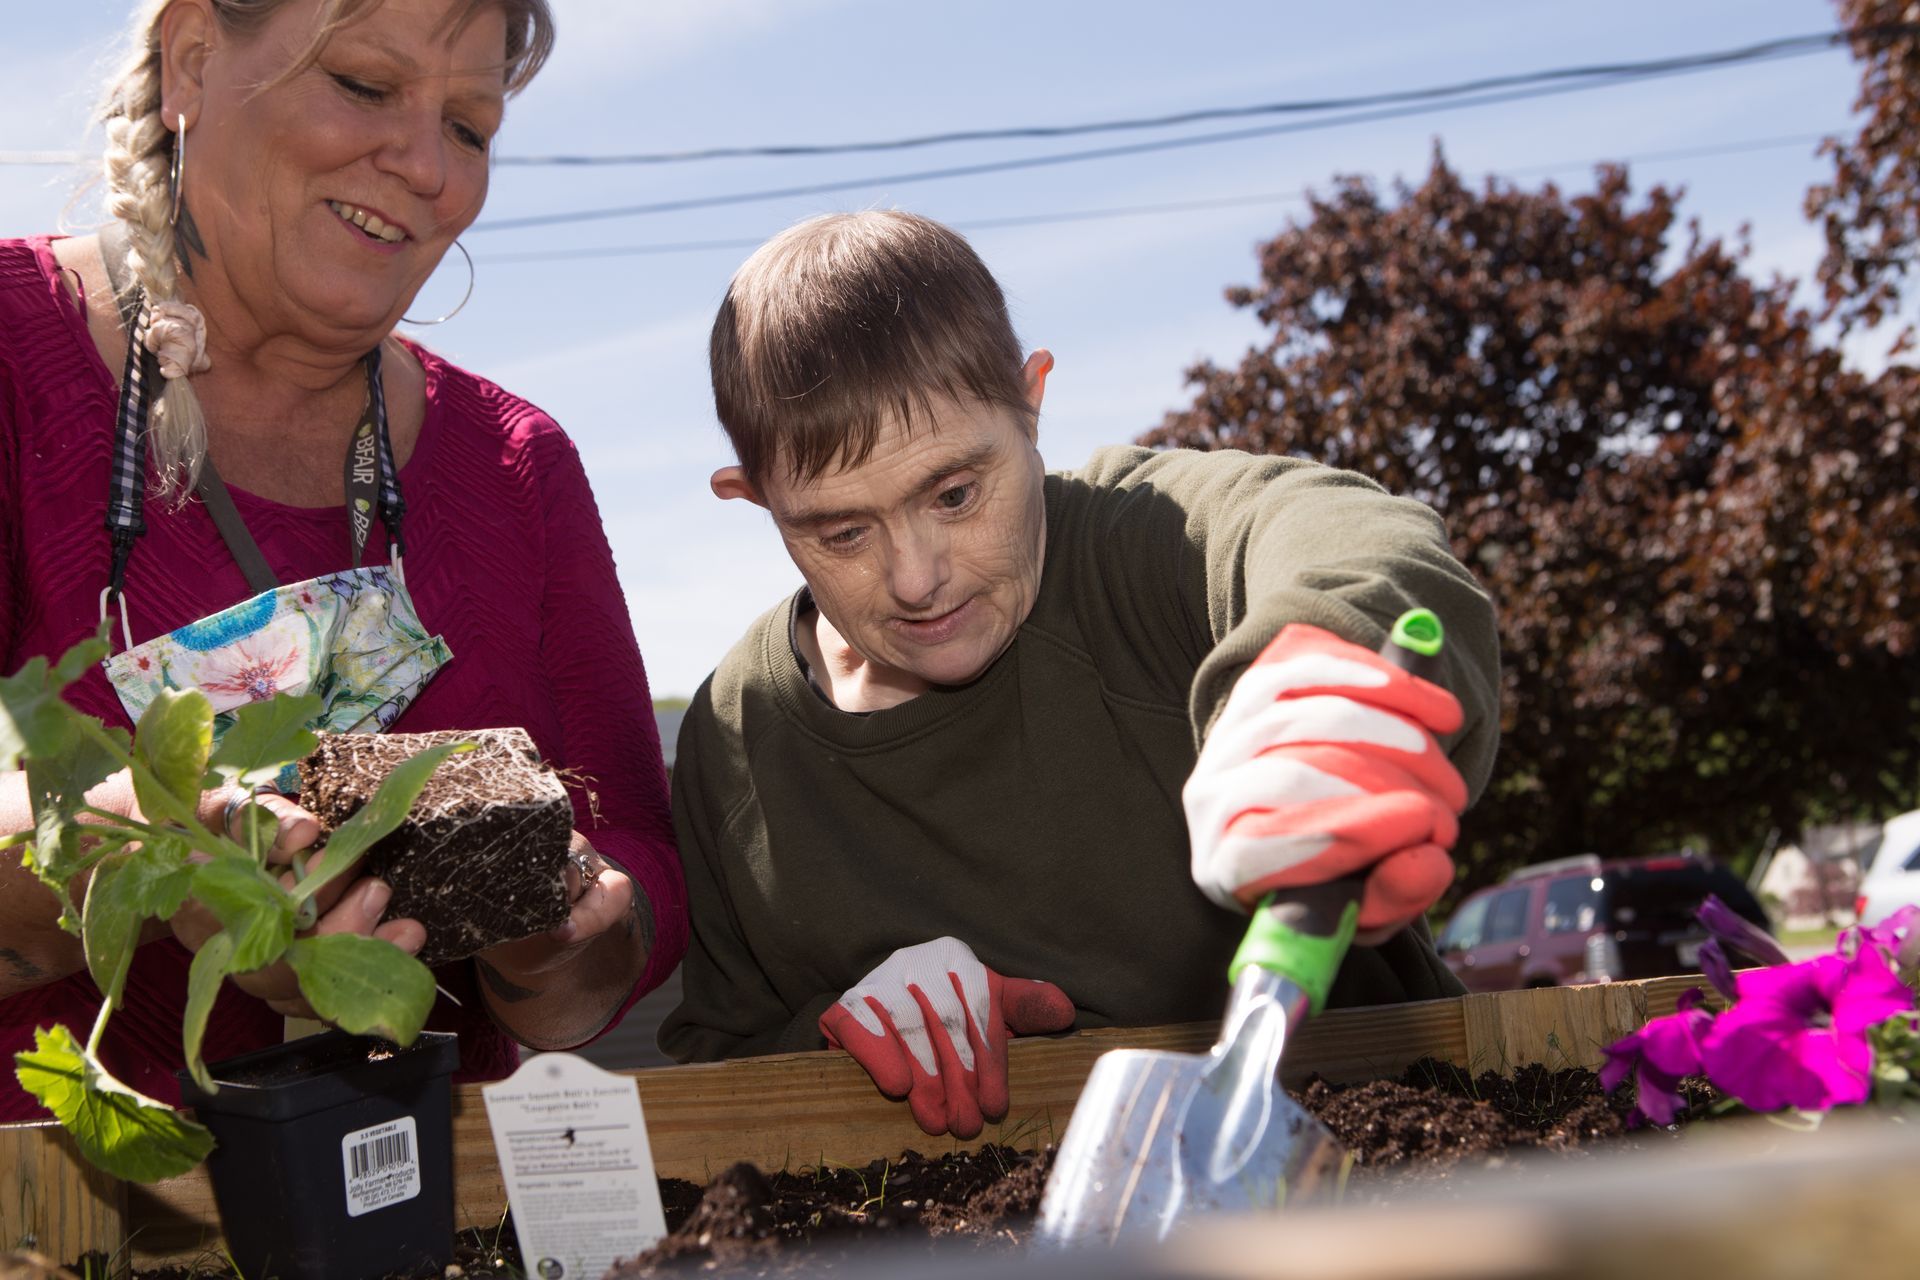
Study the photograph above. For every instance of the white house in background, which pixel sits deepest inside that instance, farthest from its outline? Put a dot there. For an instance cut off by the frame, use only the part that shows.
(1812, 884)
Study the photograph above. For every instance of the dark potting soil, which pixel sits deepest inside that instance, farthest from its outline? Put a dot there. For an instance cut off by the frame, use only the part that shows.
(1421, 1130)
(481, 858)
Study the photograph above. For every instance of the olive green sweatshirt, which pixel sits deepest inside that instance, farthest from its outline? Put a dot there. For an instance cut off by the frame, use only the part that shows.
(1035, 814)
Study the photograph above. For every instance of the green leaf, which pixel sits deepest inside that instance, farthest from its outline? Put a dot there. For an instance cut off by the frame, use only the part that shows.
(126, 1133)
(56, 855)
(57, 789)
(377, 817)
(65, 779)
(80, 659)
(211, 965)
(265, 737)
(126, 890)
(250, 905)
(110, 927)
(34, 722)
(173, 740)
(364, 985)
(161, 877)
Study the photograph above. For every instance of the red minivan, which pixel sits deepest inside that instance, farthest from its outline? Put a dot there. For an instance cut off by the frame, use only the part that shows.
(1589, 919)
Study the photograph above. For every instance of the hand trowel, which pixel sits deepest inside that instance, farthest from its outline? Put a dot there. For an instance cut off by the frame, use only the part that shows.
(1157, 1137)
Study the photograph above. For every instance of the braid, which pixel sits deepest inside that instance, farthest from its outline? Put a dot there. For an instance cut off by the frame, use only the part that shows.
(139, 161)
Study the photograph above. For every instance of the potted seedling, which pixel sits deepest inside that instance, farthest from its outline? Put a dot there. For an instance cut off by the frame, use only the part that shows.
(136, 870)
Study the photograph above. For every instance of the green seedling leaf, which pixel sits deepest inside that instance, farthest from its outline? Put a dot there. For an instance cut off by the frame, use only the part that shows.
(55, 856)
(173, 740)
(65, 779)
(265, 737)
(33, 720)
(110, 927)
(127, 889)
(211, 965)
(57, 789)
(250, 905)
(364, 985)
(378, 817)
(126, 1133)
(80, 659)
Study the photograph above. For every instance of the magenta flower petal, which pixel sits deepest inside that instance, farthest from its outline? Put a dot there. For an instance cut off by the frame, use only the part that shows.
(1737, 933)
(1719, 970)
(1898, 935)
(1797, 1036)
(1772, 1066)
(1870, 994)
(1671, 1045)
(1657, 1056)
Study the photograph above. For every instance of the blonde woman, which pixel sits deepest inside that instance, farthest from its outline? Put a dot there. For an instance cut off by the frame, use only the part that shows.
(204, 408)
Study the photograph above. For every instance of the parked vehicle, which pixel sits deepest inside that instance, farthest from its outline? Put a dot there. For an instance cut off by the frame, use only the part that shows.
(1893, 881)
(1589, 919)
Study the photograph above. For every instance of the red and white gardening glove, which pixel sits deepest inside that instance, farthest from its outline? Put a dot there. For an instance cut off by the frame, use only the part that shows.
(930, 1024)
(1324, 765)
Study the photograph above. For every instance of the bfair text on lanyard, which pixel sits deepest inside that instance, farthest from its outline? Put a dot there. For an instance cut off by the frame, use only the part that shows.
(353, 637)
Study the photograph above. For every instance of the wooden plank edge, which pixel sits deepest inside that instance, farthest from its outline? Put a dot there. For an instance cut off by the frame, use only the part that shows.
(804, 1110)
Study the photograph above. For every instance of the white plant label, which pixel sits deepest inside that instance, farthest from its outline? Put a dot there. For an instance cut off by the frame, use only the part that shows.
(573, 1152)
(381, 1164)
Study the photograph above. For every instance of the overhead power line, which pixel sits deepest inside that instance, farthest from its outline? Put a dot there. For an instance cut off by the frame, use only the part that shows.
(672, 247)
(1787, 46)
(1044, 161)
(1784, 47)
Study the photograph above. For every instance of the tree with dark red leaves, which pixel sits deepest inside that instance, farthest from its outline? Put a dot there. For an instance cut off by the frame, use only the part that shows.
(1870, 211)
(1702, 531)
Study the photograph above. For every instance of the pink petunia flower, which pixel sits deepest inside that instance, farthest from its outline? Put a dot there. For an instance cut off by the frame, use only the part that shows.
(1898, 935)
(1797, 1036)
(1657, 1056)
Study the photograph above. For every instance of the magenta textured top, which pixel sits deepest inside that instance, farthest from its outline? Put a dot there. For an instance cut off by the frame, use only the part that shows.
(505, 558)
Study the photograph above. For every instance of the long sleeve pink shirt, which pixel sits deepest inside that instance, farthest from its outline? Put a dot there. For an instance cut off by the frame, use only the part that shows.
(506, 559)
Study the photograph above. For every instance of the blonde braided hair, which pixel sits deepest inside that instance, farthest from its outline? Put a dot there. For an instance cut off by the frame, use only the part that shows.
(139, 164)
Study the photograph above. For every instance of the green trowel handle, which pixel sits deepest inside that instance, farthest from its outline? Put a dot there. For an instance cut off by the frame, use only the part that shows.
(1303, 934)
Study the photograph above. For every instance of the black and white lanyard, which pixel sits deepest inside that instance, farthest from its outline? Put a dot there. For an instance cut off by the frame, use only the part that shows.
(372, 479)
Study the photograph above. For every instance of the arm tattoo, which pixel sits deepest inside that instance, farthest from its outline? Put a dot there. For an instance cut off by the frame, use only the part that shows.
(504, 989)
(21, 967)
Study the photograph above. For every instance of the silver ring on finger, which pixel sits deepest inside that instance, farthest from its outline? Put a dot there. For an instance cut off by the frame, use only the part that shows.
(236, 802)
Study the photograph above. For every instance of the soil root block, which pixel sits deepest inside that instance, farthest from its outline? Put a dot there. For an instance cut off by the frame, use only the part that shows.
(481, 858)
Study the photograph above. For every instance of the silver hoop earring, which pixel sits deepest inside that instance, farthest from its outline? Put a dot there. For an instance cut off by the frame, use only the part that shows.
(463, 298)
(179, 174)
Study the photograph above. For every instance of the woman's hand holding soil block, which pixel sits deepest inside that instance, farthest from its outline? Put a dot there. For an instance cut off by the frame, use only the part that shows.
(481, 858)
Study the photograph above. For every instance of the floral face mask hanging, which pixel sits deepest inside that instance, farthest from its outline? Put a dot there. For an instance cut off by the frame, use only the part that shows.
(351, 637)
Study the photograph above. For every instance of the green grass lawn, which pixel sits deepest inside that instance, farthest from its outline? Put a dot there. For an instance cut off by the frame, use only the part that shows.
(1809, 937)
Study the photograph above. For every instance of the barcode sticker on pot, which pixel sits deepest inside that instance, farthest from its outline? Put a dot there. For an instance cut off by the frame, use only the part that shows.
(573, 1152)
(382, 1165)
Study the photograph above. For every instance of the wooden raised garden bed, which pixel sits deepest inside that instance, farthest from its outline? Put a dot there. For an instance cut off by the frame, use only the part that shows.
(809, 1109)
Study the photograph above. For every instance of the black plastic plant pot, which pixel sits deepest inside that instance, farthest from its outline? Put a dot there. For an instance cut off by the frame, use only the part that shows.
(335, 1156)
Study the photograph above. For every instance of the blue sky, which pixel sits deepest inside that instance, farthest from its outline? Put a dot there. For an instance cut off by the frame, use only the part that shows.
(615, 347)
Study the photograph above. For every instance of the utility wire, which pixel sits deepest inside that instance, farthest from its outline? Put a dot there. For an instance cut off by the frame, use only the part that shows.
(1784, 47)
(1146, 210)
(1050, 160)
(1787, 46)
